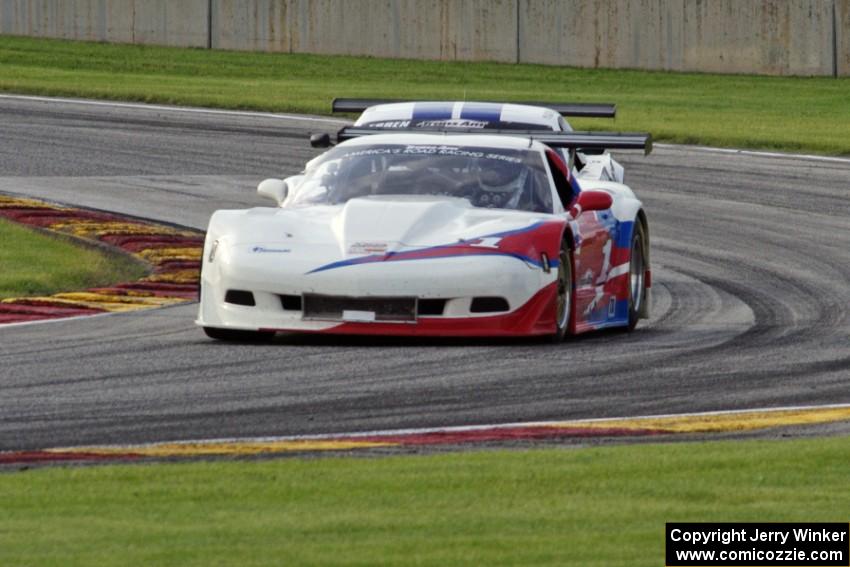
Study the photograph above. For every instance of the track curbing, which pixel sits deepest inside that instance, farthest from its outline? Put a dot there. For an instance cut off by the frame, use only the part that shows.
(620, 428)
(172, 254)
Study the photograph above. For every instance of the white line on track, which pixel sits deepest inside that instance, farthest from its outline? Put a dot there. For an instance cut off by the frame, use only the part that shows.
(185, 109)
(467, 428)
(57, 319)
(94, 315)
(755, 153)
(303, 118)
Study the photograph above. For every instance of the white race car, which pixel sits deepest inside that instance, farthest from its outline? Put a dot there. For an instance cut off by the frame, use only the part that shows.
(437, 219)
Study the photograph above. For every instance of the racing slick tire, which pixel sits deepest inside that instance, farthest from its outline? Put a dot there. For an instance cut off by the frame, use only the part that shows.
(564, 299)
(234, 335)
(637, 274)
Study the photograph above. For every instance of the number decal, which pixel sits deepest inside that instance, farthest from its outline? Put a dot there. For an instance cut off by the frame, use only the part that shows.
(606, 262)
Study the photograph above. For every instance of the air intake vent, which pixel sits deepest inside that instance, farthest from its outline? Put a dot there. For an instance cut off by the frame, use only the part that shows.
(334, 308)
(489, 305)
(290, 302)
(430, 307)
(239, 297)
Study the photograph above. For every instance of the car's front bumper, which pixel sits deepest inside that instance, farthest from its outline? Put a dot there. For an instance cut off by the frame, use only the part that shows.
(528, 292)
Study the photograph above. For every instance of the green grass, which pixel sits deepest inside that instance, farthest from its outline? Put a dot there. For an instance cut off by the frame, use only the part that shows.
(788, 113)
(592, 506)
(38, 264)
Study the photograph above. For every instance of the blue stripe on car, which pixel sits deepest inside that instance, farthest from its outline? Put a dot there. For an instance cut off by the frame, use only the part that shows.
(432, 110)
(483, 112)
(553, 262)
(624, 234)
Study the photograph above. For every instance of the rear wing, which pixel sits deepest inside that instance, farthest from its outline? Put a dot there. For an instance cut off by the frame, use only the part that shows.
(591, 142)
(572, 109)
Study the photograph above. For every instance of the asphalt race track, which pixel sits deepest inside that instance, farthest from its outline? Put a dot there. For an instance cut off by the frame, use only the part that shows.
(751, 278)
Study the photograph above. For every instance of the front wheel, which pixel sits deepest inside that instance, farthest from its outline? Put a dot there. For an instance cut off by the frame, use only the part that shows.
(564, 300)
(235, 335)
(637, 275)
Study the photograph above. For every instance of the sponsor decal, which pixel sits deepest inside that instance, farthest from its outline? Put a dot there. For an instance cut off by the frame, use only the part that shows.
(368, 248)
(452, 123)
(264, 250)
(442, 151)
(460, 152)
(430, 150)
(389, 124)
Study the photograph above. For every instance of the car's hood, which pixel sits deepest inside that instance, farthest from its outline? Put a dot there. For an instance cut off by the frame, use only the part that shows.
(376, 225)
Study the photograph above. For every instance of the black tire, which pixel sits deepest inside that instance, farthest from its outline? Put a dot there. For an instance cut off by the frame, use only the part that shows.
(234, 335)
(637, 275)
(565, 297)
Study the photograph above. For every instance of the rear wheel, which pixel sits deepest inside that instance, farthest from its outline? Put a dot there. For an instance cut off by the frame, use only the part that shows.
(564, 300)
(235, 335)
(637, 275)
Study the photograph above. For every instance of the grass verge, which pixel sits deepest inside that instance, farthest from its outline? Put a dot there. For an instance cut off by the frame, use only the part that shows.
(38, 264)
(786, 113)
(594, 506)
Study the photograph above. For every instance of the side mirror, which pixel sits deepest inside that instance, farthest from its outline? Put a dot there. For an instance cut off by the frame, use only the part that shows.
(591, 201)
(320, 140)
(274, 189)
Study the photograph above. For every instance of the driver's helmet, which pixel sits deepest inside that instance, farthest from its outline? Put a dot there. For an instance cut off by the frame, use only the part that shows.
(498, 175)
(501, 183)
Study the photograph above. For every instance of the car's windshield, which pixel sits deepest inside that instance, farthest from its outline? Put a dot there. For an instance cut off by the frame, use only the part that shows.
(487, 177)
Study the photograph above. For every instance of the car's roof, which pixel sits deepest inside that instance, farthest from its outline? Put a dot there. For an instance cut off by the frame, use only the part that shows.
(500, 141)
(460, 114)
